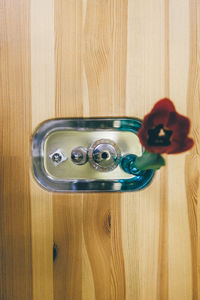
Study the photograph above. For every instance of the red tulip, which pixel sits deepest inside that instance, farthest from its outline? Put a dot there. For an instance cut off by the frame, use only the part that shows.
(164, 130)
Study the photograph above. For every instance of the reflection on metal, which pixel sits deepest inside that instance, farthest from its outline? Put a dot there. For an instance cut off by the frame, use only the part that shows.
(57, 157)
(79, 155)
(104, 155)
(103, 140)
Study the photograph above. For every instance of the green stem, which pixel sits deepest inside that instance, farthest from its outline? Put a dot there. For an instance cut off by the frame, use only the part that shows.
(149, 161)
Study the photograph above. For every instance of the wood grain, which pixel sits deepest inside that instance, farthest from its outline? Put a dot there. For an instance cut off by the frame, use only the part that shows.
(192, 162)
(105, 32)
(149, 256)
(179, 243)
(78, 58)
(43, 100)
(15, 208)
(67, 209)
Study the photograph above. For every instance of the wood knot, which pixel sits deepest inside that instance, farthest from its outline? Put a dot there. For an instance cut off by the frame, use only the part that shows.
(55, 251)
(107, 222)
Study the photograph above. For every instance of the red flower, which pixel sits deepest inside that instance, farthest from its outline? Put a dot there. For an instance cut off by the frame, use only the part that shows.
(164, 130)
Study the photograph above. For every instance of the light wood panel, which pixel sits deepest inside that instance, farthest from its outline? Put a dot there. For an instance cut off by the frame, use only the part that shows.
(43, 107)
(15, 206)
(192, 162)
(145, 236)
(75, 58)
(105, 33)
(180, 280)
(67, 209)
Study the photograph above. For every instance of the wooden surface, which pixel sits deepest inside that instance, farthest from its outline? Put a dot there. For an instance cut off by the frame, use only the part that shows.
(73, 58)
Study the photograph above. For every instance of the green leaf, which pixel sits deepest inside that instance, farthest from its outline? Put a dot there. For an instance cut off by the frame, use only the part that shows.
(149, 161)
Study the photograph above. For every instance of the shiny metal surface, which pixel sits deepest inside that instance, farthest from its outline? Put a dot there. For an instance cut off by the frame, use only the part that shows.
(69, 139)
(104, 155)
(79, 155)
(57, 157)
(67, 134)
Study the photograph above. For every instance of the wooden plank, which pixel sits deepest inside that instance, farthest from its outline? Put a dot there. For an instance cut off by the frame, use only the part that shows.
(67, 209)
(105, 56)
(66, 58)
(68, 239)
(145, 213)
(15, 214)
(88, 290)
(180, 277)
(192, 162)
(105, 34)
(118, 280)
(43, 107)
(96, 231)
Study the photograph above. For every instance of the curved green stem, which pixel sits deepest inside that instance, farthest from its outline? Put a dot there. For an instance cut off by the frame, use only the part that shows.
(149, 161)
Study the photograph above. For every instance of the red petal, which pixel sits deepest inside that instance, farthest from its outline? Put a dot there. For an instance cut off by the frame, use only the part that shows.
(164, 113)
(148, 121)
(164, 104)
(180, 126)
(178, 147)
(153, 119)
(159, 114)
(159, 117)
(143, 137)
